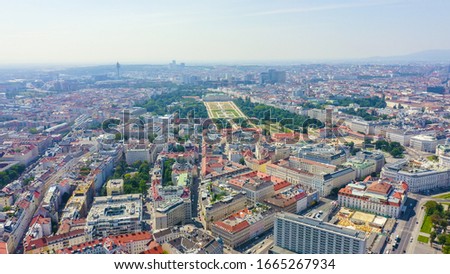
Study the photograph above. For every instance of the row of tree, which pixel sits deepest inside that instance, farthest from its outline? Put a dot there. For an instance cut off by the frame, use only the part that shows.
(367, 115)
(269, 114)
(373, 102)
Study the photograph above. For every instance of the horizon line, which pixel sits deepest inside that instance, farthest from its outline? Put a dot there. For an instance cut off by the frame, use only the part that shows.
(249, 62)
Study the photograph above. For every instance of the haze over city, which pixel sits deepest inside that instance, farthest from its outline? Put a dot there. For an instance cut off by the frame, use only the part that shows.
(99, 32)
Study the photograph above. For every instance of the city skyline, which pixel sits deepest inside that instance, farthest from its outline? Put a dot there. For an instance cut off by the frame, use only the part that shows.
(230, 31)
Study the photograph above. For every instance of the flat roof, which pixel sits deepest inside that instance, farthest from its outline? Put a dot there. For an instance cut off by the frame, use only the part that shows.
(322, 225)
(115, 207)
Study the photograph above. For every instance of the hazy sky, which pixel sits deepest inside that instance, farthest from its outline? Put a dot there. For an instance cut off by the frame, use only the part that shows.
(154, 31)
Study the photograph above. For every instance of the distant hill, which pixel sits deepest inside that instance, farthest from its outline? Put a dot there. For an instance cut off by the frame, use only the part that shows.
(429, 56)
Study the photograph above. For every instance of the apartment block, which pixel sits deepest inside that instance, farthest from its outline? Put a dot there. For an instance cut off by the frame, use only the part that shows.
(114, 215)
(306, 235)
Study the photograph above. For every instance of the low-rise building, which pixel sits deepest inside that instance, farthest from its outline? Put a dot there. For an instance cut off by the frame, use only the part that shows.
(244, 225)
(215, 168)
(293, 200)
(51, 202)
(323, 153)
(172, 206)
(188, 240)
(6, 199)
(383, 197)
(443, 153)
(130, 243)
(114, 187)
(424, 143)
(171, 212)
(401, 136)
(375, 156)
(213, 209)
(365, 127)
(257, 185)
(56, 242)
(24, 154)
(134, 153)
(363, 168)
(420, 176)
(78, 204)
(323, 182)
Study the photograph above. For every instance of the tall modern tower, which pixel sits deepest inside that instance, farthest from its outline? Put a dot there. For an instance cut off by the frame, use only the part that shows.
(118, 70)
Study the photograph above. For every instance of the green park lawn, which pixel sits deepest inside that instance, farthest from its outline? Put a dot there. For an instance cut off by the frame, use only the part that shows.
(426, 225)
(442, 196)
(423, 239)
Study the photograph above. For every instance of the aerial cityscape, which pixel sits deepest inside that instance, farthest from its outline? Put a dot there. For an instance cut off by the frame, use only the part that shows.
(345, 154)
(250, 159)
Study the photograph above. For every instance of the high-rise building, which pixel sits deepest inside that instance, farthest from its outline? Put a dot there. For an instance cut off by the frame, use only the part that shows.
(272, 77)
(118, 70)
(306, 235)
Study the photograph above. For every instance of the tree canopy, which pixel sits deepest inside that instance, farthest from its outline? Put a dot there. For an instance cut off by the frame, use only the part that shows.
(393, 148)
(440, 221)
(270, 114)
(167, 172)
(185, 107)
(11, 174)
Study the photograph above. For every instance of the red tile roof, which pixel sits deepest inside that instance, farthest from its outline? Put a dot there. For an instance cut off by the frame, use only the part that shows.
(132, 237)
(280, 185)
(41, 242)
(233, 229)
(117, 240)
(397, 195)
(380, 187)
(345, 190)
(23, 204)
(3, 248)
(153, 248)
(405, 186)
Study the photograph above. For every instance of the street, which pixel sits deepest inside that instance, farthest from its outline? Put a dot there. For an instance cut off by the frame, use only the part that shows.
(405, 226)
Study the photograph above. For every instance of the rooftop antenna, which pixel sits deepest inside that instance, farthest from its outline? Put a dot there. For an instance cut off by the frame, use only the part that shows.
(118, 70)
